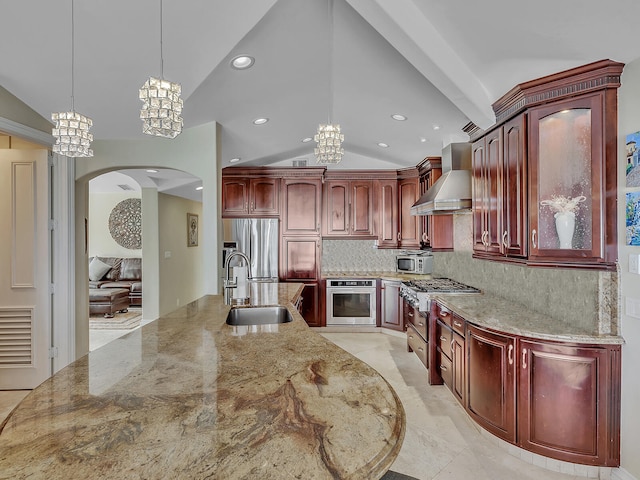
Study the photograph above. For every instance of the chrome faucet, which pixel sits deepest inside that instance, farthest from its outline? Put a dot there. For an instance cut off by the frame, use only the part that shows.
(230, 284)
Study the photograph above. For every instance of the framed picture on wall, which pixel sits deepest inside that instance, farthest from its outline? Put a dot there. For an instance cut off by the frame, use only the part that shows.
(192, 230)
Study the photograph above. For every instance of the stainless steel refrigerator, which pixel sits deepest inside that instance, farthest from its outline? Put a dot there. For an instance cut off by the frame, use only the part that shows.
(258, 238)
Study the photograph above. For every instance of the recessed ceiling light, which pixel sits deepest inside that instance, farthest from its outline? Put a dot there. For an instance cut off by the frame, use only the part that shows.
(151, 170)
(260, 121)
(436, 127)
(199, 188)
(383, 145)
(398, 117)
(307, 139)
(234, 160)
(423, 140)
(242, 62)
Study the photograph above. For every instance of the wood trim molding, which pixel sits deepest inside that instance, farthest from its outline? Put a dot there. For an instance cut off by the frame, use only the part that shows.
(576, 81)
(293, 172)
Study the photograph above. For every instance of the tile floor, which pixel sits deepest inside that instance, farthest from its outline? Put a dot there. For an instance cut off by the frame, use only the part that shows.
(441, 442)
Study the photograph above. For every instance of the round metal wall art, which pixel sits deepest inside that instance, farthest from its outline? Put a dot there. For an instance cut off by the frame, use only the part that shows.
(125, 223)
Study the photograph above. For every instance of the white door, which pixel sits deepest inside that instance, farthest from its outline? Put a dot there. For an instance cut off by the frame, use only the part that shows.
(25, 312)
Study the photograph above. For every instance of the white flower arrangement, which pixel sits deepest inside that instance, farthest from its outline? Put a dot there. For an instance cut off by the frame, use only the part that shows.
(562, 204)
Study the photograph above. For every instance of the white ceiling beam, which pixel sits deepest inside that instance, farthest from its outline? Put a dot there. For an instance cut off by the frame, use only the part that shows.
(405, 27)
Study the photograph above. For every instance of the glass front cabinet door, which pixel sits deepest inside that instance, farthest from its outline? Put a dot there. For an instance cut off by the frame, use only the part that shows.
(567, 189)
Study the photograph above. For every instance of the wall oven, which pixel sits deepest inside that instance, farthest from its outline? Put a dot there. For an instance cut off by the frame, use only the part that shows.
(351, 302)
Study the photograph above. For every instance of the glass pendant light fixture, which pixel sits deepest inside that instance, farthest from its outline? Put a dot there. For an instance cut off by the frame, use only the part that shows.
(161, 102)
(329, 138)
(71, 129)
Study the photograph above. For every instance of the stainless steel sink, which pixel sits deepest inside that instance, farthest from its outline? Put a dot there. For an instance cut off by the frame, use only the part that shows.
(258, 315)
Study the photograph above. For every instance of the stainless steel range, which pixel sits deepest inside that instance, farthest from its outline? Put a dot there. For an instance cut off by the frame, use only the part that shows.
(420, 292)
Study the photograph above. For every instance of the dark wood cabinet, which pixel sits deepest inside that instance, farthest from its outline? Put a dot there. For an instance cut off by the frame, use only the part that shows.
(557, 399)
(545, 176)
(568, 165)
(500, 191)
(301, 206)
(491, 377)
(415, 323)
(386, 199)
(242, 197)
(409, 231)
(486, 154)
(437, 230)
(348, 208)
(300, 259)
(310, 305)
(567, 402)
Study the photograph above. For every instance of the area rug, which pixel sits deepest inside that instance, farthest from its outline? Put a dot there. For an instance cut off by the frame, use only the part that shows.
(120, 321)
(396, 476)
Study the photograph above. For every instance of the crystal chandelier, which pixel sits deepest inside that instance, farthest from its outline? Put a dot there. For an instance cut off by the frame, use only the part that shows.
(329, 144)
(161, 102)
(72, 128)
(329, 139)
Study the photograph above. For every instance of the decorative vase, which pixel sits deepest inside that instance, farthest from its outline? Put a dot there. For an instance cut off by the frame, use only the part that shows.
(565, 225)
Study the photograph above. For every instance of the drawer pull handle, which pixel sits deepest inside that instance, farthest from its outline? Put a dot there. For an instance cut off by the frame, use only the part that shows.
(442, 367)
(457, 324)
(452, 341)
(442, 338)
(420, 324)
(410, 337)
(504, 239)
(420, 348)
(410, 314)
(533, 239)
(524, 358)
(510, 354)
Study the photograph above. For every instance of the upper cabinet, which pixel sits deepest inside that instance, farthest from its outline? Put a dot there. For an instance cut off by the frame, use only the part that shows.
(301, 206)
(347, 207)
(394, 195)
(545, 176)
(246, 197)
(437, 230)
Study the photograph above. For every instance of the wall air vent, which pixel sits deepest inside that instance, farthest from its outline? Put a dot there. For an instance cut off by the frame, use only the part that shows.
(126, 187)
(300, 162)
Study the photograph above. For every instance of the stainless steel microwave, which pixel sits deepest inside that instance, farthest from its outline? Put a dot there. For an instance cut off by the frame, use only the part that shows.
(420, 264)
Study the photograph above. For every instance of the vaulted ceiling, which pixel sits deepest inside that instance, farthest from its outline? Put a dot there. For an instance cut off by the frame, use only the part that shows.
(439, 63)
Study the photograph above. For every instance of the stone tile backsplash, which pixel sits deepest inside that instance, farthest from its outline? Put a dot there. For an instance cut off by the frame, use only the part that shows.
(356, 256)
(584, 298)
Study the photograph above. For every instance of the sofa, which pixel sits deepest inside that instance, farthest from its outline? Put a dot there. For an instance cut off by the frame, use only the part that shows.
(117, 273)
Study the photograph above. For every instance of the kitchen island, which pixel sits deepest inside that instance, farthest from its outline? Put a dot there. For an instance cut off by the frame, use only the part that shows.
(188, 396)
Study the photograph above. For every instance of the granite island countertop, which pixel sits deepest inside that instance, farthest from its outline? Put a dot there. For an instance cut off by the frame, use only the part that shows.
(506, 316)
(189, 397)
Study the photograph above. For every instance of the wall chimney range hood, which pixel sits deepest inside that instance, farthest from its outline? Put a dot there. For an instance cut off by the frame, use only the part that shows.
(452, 191)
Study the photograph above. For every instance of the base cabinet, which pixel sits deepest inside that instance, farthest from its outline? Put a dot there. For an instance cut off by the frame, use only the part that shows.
(555, 399)
(567, 402)
(491, 382)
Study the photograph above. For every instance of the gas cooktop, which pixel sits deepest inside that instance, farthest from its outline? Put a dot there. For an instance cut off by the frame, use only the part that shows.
(420, 292)
(440, 285)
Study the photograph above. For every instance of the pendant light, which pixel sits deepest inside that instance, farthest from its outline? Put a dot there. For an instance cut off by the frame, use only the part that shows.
(161, 102)
(329, 138)
(71, 129)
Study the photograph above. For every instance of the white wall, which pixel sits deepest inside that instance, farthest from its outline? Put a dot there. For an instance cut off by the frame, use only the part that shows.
(181, 270)
(101, 243)
(629, 122)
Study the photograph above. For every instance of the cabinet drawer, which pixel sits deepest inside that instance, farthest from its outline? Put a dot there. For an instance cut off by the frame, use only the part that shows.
(419, 322)
(444, 315)
(446, 369)
(444, 337)
(418, 345)
(457, 323)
